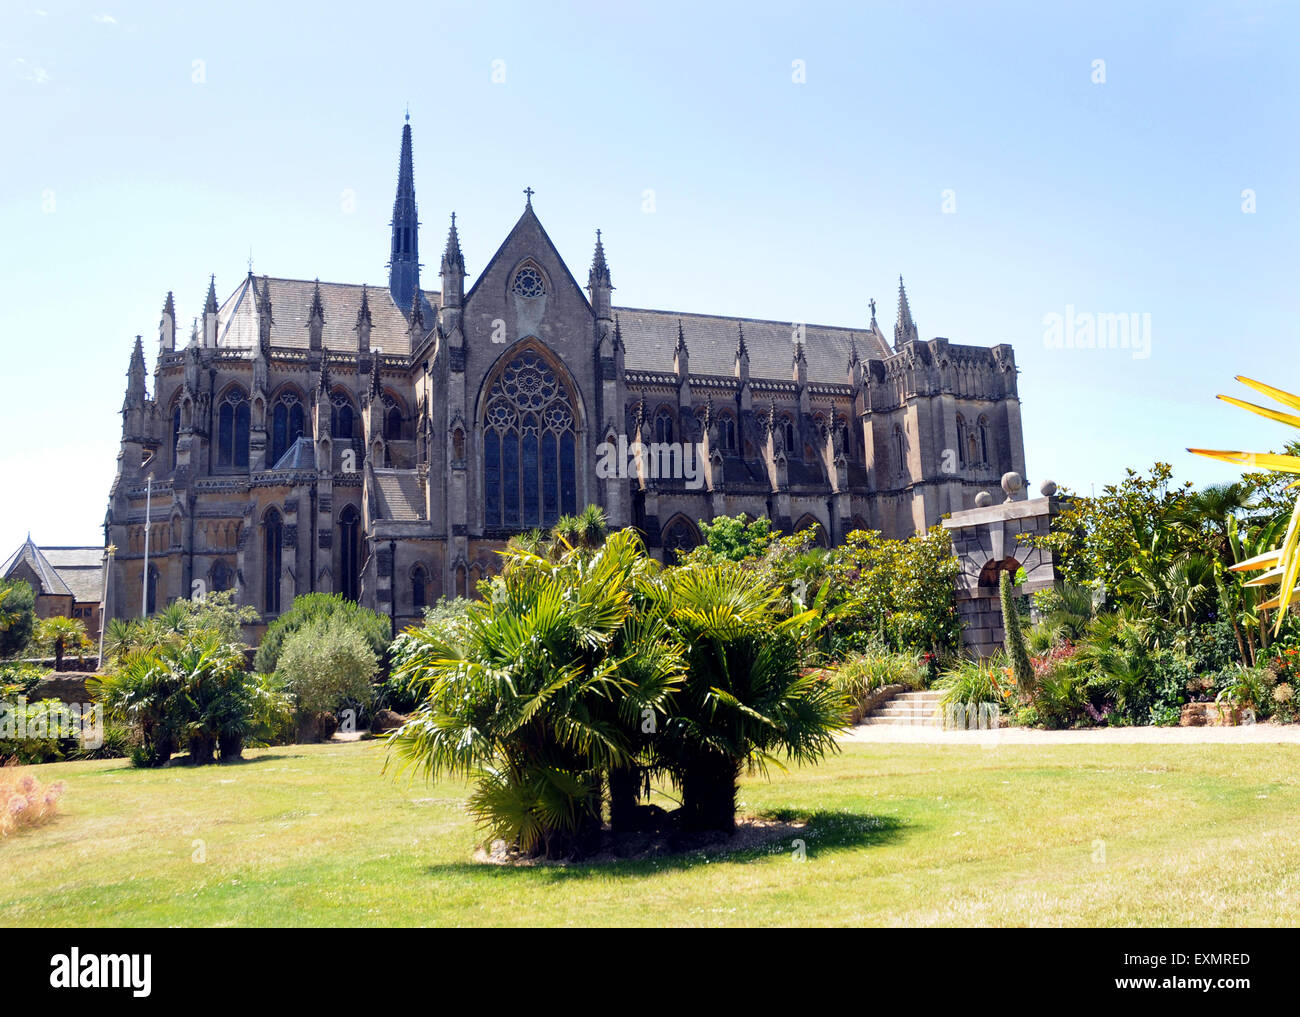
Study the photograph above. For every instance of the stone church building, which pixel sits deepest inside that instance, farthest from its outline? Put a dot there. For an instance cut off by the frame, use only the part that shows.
(384, 442)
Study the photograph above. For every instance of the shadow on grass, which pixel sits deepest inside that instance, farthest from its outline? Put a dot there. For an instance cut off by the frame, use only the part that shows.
(818, 831)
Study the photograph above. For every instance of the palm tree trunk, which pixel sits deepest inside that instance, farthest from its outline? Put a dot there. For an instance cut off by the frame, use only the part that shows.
(709, 793)
(624, 791)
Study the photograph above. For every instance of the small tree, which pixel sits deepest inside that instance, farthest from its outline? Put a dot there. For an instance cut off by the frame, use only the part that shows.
(326, 665)
(311, 607)
(58, 635)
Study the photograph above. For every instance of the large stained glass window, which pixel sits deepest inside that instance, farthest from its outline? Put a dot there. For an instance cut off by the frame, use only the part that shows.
(529, 446)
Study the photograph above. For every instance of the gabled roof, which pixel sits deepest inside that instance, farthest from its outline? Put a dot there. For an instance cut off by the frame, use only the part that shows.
(291, 302)
(529, 218)
(51, 584)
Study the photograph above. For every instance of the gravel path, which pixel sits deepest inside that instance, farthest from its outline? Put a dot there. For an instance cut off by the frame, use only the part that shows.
(1246, 734)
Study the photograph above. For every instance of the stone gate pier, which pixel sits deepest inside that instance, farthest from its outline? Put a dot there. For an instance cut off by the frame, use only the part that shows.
(987, 542)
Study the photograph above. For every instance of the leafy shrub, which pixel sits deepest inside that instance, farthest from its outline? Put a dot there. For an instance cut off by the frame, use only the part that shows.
(19, 678)
(863, 673)
(971, 682)
(25, 803)
(328, 663)
(313, 607)
(17, 616)
(30, 734)
(193, 692)
(397, 692)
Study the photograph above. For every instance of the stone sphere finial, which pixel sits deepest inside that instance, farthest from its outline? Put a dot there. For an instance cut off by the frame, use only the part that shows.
(1048, 488)
(1011, 484)
(983, 500)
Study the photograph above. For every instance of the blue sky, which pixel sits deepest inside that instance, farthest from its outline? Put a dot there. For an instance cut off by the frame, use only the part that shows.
(147, 145)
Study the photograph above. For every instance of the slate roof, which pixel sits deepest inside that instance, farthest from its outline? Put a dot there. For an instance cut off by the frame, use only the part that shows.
(650, 336)
(237, 318)
(651, 339)
(81, 568)
(301, 455)
(75, 572)
(51, 584)
(398, 495)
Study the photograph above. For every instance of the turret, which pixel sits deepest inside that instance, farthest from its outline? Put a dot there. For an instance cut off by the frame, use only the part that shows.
(905, 330)
(167, 326)
(599, 286)
(316, 318)
(210, 315)
(362, 327)
(452, 269)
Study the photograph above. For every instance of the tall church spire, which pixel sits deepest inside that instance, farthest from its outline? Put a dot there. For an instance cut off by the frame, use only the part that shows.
(404, 263)
(905, 330)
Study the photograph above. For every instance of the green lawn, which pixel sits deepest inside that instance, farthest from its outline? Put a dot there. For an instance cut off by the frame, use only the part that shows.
(898, 835)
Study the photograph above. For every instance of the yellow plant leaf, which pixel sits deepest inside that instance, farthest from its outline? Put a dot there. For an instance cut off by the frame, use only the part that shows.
(1263, 411)
(1285, 398)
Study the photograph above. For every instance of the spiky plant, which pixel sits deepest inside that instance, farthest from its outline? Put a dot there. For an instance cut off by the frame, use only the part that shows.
(1281, 565)
(1013, 640)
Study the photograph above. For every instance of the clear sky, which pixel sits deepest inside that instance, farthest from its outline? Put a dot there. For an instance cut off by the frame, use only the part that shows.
(967, 146)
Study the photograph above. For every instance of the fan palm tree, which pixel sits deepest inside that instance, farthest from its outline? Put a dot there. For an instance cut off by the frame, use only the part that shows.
(535, 697)
(747, 698)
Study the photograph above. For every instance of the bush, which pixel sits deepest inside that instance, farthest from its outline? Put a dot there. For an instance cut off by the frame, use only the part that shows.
(872, 670)
(18, 678)
(327, 664)
(25, 803)
(397, 692)
(312, 607)
(17, 616)
(190, 693)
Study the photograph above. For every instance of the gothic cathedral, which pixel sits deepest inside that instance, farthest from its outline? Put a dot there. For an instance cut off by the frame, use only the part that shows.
(385, 442)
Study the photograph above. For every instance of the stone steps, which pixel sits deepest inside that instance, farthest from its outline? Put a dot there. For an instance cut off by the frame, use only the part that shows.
(911, 709)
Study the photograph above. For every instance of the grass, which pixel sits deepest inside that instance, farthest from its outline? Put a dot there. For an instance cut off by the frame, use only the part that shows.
(897, 835)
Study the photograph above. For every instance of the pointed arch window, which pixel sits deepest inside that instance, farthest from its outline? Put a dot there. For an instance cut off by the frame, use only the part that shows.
(900, 449)
(727, 432)
(232, 430)
(679, 536)
(787, 436)
(342, 417)
(529, 446)
(419, 588)
(272, 551)
(350, 553)
(220, 578)
(984, 440)
(151, 591)
(393, 423)
(176, 431)
(663, 427)
(961, 439)
(286, 425)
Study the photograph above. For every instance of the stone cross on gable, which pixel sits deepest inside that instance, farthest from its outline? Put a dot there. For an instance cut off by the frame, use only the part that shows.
(528, 194)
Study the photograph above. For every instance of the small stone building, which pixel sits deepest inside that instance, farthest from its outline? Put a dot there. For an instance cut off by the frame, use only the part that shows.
(68, 581)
